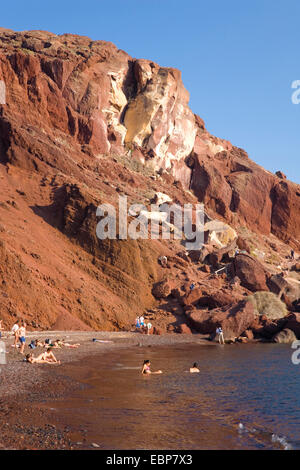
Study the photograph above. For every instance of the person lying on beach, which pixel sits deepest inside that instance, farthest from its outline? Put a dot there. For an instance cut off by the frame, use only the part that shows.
(146, 368)
(47, 357)
(57, 344)
(44, 358)
(194, 368)
(60, 343)
(33, 360)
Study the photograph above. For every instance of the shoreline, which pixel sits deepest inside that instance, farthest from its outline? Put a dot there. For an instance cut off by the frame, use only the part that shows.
(24, 387)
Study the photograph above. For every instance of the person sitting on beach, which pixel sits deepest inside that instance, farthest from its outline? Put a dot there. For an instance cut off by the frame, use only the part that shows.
(194, 368)
(48, 357)
(146, 368)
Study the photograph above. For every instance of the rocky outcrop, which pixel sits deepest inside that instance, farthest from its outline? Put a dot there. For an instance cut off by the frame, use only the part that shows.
(250, 272)
(285, 212)
(288, 287)
(266, 328)
(162, 289)
(158, 117)
(68, 95)
(233, 320)
(83, 123)
(192, 297)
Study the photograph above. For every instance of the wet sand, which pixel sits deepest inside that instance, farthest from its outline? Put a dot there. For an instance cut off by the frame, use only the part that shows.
(24, 388)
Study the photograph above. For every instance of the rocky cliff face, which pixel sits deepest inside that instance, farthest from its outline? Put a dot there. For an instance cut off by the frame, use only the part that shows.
(84, 122)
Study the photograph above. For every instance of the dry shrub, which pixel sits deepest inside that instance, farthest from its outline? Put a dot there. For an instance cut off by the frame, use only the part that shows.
(267, 303)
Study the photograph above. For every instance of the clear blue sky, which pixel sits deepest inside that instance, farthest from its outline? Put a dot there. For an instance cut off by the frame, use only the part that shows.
(238, 59)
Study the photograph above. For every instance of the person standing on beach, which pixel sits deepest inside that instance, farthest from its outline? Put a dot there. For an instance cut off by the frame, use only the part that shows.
(22, 336)
(149, 326)
(1, 328)
(142, 321)
(137, 323)
(14, 331)
(219, 332)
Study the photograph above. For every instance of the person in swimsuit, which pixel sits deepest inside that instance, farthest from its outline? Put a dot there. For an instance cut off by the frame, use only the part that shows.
(14, 331)
(43, 358)
(47, 357)
(60, 343)
(22, 336)
(146, 368)
(194, 368)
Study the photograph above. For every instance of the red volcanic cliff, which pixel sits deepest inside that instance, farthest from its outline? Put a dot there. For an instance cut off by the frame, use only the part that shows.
(84, 122)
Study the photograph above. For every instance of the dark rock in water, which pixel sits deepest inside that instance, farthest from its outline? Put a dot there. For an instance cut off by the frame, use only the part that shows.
(266, 328)
(293, 323)
(285, 336)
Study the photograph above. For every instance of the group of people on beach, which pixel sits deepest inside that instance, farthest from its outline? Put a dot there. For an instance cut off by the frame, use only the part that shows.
(141, 326)
(146, 369)
(18, 330)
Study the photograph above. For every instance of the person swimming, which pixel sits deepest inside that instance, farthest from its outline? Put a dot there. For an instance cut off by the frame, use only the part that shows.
(147, 370)
(194, 368)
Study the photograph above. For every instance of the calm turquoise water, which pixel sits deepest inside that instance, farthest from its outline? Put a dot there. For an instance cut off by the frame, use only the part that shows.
(245, 397)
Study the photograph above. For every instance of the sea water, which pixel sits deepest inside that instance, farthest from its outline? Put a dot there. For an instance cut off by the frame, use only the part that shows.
(246, 396)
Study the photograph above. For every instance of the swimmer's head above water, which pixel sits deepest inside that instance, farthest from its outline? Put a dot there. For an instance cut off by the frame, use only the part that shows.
(194, 368)
(146, 368)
